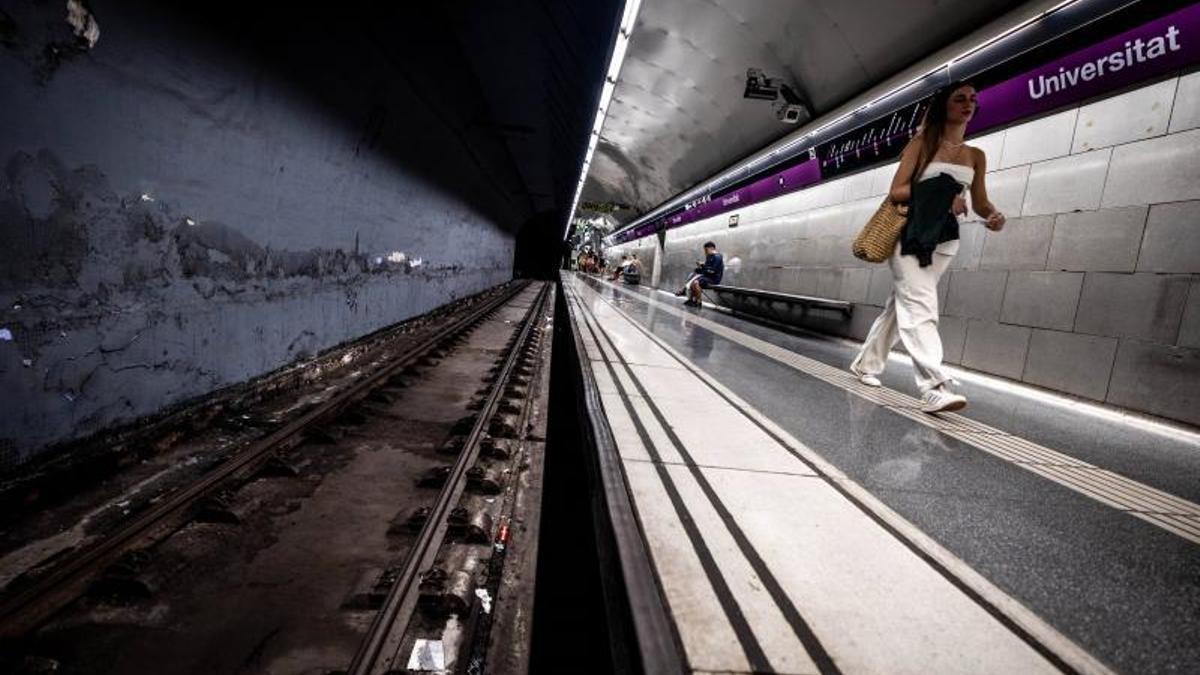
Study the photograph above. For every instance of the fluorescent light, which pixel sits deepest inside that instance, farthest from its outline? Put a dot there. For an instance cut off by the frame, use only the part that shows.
(624, 33)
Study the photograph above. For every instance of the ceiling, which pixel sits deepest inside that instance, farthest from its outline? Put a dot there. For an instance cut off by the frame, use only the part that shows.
(678, 116)
(538, 66)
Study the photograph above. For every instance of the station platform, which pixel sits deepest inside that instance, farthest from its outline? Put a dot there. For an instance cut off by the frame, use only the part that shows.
(792, 520)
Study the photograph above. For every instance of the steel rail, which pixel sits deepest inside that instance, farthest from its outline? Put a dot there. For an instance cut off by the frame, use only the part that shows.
(384, 637)
(28, 607)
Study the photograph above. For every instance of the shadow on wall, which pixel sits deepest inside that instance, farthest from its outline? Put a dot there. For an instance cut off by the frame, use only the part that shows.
(186, 206)
(384, 73)
(114, 305)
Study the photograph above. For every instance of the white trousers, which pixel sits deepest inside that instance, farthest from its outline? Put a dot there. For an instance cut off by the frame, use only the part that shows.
(910, 316)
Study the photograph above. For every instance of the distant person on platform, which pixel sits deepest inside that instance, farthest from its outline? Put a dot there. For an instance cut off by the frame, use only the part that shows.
(708, 272)
(620, 268)
(631, 272)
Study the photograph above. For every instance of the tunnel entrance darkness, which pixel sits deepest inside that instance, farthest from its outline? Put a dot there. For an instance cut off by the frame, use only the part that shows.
(539, 248)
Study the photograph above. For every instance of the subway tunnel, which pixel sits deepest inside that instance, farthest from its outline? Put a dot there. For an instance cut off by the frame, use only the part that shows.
(541, 336)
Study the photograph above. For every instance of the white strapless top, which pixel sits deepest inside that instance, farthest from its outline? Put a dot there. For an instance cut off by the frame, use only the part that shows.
(959, 172)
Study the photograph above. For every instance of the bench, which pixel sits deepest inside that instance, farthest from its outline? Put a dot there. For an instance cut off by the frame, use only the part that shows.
(765, 298)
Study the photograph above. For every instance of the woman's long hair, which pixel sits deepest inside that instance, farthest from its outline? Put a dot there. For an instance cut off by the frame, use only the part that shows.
(933, 124)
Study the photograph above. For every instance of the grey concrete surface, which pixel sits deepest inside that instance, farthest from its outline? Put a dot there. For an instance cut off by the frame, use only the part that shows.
(976, 295)
(179, 215)
(1098, 241)
(1070, 362)
(996, 348)
(1170, 243)
(1143, 306)
(1189, 329)
(1024, 244)
(954, 338)
(1161, 379)
(1042, 299)
(1186, 113)
(881, 286)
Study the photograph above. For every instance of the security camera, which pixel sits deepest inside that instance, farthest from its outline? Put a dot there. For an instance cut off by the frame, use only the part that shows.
(790, 113)
(759, 86)
(791, 110)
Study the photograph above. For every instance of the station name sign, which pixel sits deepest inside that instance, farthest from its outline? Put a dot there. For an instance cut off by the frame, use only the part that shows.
(1156, 48)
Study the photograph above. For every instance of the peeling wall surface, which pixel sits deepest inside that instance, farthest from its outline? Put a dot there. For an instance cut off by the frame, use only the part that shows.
(1092, 288)
(178, 215)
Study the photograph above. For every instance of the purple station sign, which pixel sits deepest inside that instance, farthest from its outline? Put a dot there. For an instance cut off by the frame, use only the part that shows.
(1152, 49)
(788, 180)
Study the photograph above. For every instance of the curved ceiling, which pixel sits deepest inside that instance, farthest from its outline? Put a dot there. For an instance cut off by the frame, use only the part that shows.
(678, 116)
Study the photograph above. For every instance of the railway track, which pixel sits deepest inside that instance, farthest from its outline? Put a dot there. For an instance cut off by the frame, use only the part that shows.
(498, 430)
(382, 649)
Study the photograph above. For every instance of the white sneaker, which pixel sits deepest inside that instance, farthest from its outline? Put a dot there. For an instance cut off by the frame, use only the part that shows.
(869, 380)
(941, 399)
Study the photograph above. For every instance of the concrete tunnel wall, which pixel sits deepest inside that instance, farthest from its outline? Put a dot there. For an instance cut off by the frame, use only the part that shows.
(176, 219)
(1092, 289)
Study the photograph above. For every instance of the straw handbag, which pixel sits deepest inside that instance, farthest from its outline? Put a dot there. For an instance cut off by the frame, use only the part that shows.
(878, 238)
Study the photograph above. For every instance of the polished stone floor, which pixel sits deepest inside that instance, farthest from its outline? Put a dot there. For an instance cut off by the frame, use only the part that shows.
(799, 520)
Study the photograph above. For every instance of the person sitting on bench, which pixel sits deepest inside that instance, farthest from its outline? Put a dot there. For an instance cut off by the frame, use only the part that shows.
(707, 273)
(620, 268)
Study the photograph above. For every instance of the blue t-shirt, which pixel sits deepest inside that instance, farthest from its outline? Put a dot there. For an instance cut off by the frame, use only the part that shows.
(714, 268)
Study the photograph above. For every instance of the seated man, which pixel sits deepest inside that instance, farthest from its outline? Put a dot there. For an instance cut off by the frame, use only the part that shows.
(633, 271)
(620, 268)
(707, 273)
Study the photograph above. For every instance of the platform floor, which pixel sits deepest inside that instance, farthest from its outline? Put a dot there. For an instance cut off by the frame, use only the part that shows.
(800, 522)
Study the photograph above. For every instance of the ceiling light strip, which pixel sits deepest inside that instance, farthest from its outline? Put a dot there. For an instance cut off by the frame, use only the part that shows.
(780, 148)
(628, 19)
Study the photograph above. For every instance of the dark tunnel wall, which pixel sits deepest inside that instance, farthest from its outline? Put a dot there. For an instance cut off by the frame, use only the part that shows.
(197, 199)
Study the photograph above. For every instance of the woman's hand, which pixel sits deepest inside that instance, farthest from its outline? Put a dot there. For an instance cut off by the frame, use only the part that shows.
(959, 206)
(995, 222)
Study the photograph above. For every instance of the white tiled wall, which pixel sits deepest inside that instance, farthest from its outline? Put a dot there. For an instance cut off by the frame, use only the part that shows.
(1066, 184)
(1185, 114)
(1163, 169)
(1046, 138)
(1132, 116)
(1102, 253)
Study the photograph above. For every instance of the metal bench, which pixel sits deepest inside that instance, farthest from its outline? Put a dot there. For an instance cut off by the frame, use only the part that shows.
(764, 299)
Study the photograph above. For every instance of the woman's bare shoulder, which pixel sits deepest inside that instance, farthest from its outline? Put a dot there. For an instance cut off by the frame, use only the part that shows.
(977, 156)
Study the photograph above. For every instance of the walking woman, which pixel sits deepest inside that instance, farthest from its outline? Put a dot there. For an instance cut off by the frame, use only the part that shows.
(943, 165)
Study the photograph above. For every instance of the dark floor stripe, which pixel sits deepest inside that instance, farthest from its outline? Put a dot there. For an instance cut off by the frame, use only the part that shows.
(755, 656)
(983, 602)
(800, 627)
